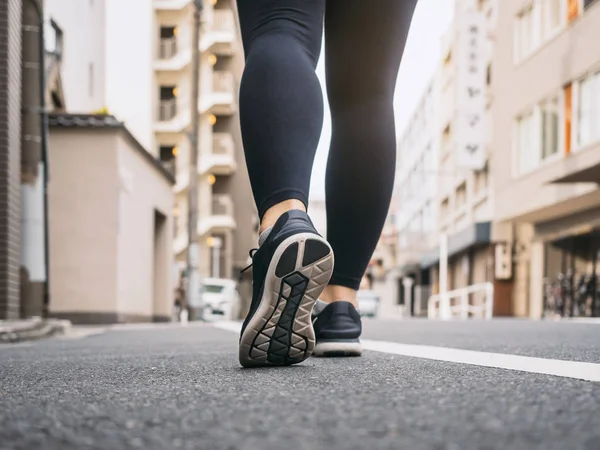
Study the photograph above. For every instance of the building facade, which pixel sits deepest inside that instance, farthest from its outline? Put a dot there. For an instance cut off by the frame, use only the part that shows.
(110, 224)
(415, 208)
(141, 72)
(547, 159)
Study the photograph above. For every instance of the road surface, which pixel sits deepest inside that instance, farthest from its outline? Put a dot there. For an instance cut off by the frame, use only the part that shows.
(422, 385)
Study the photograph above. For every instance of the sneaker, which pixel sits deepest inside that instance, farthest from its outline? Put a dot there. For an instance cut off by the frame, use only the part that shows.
(337, 328)
(290, 270)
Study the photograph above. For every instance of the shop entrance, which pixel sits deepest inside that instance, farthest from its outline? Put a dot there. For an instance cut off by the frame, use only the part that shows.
(572, 270)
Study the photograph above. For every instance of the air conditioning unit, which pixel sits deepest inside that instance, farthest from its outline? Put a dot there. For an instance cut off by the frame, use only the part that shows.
(502, 262)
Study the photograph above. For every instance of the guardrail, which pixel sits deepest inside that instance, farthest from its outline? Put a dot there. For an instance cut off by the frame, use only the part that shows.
(442, 306)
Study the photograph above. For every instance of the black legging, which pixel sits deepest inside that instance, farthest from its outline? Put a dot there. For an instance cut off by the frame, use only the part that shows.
(281, 112)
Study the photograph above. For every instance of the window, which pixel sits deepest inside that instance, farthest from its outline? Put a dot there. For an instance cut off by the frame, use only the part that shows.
(552, 14)
(527, 153)
(461, 195)
(537, 23)
(589, 110)
(524, 33)
(550, 127)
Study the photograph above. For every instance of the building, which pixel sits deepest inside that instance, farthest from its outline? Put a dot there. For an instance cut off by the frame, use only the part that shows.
(10, 157)
(110, 224)
(140, 72)
(464, 201)
(415, 201)
(546, 160)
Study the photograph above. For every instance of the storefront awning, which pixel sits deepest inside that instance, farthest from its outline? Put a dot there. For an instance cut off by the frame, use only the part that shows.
(475, 234)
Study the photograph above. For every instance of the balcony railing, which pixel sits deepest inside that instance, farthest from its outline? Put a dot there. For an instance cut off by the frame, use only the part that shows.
(223, 82)
(167, 109)
(167, 48)
(170, 166)
(222, 205)
(223, 20)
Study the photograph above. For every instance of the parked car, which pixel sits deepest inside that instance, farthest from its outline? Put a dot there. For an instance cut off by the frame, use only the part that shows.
(219, 296)
(368, 303)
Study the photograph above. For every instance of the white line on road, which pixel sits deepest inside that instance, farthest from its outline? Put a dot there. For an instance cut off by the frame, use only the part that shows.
(560, 368)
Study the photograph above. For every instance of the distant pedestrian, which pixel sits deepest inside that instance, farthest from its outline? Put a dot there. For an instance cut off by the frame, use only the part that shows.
(281, 115)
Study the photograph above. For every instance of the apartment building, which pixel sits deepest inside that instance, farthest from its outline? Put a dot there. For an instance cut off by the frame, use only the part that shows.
(140, 72)
(546, 169)
(463, 201)
(415, 202)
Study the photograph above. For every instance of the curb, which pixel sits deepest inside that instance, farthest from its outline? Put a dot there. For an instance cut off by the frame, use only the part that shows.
(32, 329)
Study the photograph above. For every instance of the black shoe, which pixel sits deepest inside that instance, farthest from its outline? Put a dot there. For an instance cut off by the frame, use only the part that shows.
(337, 329)
(290, 270)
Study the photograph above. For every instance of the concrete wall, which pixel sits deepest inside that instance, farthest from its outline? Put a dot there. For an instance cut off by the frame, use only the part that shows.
(107, 261)
(82, 194)
(10, 156)
(142, 191)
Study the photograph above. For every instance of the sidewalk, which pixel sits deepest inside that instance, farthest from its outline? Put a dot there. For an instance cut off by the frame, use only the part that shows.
(12, 331)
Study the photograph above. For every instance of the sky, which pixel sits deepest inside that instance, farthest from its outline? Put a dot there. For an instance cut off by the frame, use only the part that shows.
(421, 56)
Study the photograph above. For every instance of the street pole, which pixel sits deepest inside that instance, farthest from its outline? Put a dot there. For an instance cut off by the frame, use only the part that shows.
(445, 312)
(193, 299)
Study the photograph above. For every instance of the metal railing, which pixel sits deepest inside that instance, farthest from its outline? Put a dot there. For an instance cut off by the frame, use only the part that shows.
(472, 301)
(167, 48)
(167, 109)
(222, 205)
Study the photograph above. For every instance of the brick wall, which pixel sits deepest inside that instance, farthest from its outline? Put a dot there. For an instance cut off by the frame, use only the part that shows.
(10, 152)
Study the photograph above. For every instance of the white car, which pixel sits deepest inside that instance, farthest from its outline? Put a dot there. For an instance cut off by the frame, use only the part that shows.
(219, 296)
(368, 303)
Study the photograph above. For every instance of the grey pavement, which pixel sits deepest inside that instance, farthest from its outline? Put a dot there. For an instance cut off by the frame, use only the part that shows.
(172, 387)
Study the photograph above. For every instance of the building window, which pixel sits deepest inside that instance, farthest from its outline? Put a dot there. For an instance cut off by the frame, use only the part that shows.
(168, 158)
(550, 113)
(527, 153)
(539, 21)
(588, 113)
(524, 33)
(552, 16)
(461, 196)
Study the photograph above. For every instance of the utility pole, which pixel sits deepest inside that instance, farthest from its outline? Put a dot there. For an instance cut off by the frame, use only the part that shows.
(193, 299)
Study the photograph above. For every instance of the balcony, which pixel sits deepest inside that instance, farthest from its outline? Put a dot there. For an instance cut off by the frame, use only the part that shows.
(170, 5)
(221, 159)
(172, 56)
(221, 33)
(222, 98)
(221, 215)
(173, 116)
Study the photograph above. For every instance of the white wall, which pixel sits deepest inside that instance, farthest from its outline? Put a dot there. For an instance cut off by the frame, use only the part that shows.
(83, 25)
(130, 45)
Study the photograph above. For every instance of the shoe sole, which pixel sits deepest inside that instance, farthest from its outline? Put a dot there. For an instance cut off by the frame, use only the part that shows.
(338, 349)
(280, 332)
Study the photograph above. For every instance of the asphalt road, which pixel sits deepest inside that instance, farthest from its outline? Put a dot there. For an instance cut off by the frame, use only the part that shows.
(169, 387)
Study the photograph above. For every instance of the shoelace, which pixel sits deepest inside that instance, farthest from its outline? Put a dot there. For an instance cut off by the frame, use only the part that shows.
(251, 253)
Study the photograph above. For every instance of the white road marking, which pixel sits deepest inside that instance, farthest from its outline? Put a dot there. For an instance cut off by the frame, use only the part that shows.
(560, 368)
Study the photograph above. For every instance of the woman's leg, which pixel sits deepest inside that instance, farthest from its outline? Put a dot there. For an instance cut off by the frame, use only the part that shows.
(363, 50)
(281, 103)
